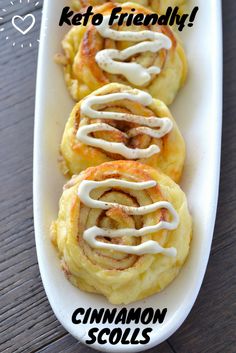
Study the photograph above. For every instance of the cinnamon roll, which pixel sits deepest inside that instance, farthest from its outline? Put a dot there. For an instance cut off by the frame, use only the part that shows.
(159, 6)
(123, 231)
(146, 57)
(118, 122)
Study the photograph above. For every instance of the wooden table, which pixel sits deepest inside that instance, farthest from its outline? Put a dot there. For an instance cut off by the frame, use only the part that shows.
(27, 321)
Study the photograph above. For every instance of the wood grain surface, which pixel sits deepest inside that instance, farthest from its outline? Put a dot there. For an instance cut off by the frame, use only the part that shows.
(28, 324)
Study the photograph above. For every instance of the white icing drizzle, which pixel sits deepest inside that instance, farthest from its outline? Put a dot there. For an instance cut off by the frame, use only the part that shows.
(134, 73)
(164, 125)
(148, 247)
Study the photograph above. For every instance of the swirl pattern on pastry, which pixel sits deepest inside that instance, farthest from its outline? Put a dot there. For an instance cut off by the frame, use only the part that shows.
(148, 247)
(159, 6)
(118, 122)
(93, 53)
(127, 206)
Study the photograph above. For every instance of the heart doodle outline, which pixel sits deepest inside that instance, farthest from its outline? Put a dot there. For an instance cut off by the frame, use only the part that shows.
(23, 19)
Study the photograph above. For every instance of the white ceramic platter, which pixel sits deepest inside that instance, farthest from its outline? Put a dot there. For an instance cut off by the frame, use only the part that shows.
(198, 111)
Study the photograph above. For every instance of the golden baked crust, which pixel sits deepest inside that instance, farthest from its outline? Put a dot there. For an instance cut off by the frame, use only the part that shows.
(83, 75)
(78, 156)
(159, 6)
(121, 277)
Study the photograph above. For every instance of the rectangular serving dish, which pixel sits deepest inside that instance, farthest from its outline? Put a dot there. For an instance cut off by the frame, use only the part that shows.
(198, 111)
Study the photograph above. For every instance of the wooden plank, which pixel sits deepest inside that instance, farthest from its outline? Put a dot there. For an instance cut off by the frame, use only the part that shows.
(225, 223)
(211, 324)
